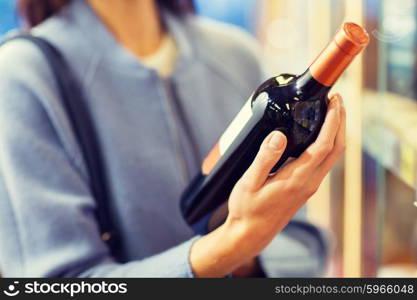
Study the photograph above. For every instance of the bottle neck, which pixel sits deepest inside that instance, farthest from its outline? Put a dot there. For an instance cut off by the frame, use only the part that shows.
(307, 82)
(330, 64)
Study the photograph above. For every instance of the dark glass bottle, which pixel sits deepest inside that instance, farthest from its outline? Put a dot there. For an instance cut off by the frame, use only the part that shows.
(295, 105)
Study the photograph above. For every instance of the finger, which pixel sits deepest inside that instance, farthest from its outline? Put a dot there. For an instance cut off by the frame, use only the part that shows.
(317, 152)
(339, 146)
(269, 154)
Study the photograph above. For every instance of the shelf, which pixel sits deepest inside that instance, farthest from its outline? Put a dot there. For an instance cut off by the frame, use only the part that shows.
(390, 133)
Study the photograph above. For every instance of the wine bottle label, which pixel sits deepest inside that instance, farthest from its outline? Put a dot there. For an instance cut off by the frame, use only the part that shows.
(228, 137)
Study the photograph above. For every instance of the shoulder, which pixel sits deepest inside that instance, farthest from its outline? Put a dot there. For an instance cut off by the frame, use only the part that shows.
(28, 88)
(23, 77)
(228, 38)
(20, 61)
(24, 68)
(27, 85)
(30, 99)
(230, 47)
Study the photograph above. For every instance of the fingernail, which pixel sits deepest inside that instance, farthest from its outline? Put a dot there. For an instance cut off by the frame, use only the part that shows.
(342, 103)
(277, 141)
(335, 103)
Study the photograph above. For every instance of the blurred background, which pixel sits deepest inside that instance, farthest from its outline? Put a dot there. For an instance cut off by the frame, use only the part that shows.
(368, 202)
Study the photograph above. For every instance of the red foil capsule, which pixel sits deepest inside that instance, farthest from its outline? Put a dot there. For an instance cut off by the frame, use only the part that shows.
(349, 41)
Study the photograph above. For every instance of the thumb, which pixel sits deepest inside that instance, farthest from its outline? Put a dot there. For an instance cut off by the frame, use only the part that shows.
(269, 154)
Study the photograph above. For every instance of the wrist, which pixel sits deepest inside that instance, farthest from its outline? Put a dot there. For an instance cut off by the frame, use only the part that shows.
(221, 251)
(253, 235)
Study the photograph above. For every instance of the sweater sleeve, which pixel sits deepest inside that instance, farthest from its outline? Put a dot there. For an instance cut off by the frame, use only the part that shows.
(48, 226)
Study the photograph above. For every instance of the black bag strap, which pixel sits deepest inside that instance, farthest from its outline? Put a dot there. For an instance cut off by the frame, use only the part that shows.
(75, 105)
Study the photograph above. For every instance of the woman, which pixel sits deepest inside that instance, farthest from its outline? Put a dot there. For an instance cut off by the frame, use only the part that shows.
(162, 85)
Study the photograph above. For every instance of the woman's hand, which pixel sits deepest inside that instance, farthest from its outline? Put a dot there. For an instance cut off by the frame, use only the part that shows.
(260, 205)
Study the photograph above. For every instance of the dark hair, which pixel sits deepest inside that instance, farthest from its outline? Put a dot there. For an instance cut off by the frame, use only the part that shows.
(35, 12)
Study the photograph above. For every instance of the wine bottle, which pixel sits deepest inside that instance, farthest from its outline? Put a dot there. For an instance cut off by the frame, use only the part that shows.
(294, 105)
